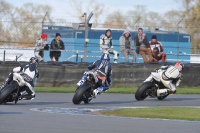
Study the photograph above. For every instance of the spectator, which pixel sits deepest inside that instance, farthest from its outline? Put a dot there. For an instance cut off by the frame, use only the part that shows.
(157, 49)
(142, 46)
(56, 44)
(106, 44)
(40, 46)
(126, 46)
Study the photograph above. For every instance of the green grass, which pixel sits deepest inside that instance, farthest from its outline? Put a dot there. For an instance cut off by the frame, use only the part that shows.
(174, 113)
(125, 90)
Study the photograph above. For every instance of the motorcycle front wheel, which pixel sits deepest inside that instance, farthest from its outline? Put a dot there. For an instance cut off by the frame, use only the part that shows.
(79, 94)
(141, 92)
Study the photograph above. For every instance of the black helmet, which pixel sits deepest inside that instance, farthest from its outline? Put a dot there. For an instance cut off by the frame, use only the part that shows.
(108, 30)
(33, 59)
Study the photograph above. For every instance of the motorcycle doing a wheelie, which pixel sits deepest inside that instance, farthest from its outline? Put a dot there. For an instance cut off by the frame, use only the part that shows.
(157, 83)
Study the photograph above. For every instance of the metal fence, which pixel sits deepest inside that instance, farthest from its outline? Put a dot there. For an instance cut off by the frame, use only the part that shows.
(17, 41)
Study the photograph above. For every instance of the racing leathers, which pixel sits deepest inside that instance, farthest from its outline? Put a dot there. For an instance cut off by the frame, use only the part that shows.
(170, 77)
(106, 44)
(103, 69)
(31, 73)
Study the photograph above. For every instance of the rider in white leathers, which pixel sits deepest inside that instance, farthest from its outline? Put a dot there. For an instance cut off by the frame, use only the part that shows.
(30, 70)
(170, 77)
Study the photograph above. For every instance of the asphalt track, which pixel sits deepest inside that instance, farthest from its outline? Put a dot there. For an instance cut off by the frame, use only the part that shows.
(50, 113)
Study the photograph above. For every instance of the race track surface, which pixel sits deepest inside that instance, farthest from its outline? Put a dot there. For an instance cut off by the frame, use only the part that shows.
(55, 113)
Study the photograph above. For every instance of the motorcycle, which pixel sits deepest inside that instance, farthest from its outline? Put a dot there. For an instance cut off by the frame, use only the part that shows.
(13, 91)
(85, 91)
(150, 88)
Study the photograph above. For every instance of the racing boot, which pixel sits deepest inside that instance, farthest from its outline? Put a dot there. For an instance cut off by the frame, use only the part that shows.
(115, 61)
(171, 92)
(162, 92)
(27, 97)
(97, 91)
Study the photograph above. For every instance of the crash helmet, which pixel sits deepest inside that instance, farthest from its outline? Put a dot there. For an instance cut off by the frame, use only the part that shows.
(33, 60)
(180, 66)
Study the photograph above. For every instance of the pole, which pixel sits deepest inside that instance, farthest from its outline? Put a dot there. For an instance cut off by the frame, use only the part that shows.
(86, 33)
(86, 36)
(4, 56)
(44, 19)
(77, 56)
(178, 39)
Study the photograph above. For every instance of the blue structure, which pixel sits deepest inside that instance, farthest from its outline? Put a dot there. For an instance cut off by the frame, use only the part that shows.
(176, 45)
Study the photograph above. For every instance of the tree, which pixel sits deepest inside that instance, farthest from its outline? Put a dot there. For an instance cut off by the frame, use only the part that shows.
(5, 13)
(191, 15)
(115, 20)
(95, 6)
(26, 23)
(5, 10)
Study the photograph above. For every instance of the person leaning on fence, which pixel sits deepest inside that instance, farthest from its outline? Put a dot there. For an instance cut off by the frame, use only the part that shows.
(56, 44)
(157, 50)
(106, 44)
(142, 46)
(40, 46)
(126, 46)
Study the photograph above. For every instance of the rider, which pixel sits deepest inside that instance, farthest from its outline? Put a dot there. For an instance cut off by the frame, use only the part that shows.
(102, 67)
(31, 71)
(170, 77)
(106, 43)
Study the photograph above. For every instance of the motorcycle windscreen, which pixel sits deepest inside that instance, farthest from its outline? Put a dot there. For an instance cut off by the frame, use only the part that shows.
(156, 76)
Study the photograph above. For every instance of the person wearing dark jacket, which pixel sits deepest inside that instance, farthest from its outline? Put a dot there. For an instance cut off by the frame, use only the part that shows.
(142, 46)
(56, 44)
(126, 46)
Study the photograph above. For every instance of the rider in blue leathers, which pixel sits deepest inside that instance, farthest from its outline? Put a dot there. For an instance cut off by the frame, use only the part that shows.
(104, 69)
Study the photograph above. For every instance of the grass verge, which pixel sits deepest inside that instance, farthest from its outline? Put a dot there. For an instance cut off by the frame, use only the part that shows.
(174, 113)
(126, 90)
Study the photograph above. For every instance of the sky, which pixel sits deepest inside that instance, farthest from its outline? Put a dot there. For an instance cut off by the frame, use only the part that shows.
(63, 9)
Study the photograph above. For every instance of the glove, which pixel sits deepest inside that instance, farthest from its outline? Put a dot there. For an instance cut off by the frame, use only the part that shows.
(178, 82)
(155, 69)
(46, 47)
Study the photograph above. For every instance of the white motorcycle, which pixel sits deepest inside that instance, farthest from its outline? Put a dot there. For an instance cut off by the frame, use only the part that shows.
(13, 91)
(150, 88)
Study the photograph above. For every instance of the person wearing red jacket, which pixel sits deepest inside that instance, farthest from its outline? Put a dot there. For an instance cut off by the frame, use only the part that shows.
(157, 50)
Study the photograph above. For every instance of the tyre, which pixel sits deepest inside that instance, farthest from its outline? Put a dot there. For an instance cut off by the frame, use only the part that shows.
(78, 96)
(162, 97)
(6, 92)
(141, 91)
